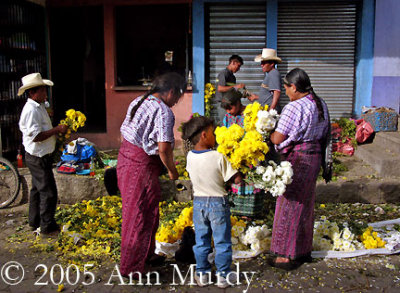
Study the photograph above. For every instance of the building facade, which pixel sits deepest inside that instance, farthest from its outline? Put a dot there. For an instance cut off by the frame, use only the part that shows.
(102, 53)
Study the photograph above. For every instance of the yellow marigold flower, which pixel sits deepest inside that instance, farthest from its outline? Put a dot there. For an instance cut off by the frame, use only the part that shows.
(60, 288)
(71, 114)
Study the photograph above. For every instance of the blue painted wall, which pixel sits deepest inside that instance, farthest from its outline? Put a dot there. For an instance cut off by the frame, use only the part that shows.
(386, 74)
(364, 58)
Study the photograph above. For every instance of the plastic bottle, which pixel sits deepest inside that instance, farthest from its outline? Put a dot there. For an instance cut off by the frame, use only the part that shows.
(92, 173)
(20, 163)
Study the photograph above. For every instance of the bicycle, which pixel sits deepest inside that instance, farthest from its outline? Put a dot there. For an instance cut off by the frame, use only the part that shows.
(10, 181)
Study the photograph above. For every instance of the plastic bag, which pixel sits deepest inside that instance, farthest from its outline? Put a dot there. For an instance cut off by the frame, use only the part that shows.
(344, 148)
(83, 154)
(364, 131)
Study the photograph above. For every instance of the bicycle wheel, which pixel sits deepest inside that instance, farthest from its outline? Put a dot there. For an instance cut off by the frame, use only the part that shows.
(9, 182)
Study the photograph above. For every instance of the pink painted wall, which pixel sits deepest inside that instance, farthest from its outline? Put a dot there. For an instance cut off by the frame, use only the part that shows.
(117, 101)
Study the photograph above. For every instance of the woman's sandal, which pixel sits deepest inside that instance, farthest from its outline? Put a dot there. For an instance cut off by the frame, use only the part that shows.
(287, 266)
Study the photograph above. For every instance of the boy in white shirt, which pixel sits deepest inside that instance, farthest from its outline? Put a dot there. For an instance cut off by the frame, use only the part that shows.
(208, 171)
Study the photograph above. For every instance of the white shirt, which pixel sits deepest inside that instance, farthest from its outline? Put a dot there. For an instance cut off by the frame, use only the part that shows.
(34, 120)
(208, 171)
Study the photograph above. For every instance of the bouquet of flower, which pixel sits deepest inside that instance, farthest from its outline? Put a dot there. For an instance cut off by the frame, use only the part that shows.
(74, 120)
(266, 122)
(273, 177)
(244, 147)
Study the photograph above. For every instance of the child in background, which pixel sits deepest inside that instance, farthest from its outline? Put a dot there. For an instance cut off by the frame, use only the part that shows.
(208, 171)
(233, 106)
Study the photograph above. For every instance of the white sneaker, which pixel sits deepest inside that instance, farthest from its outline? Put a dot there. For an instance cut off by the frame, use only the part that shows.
(201, 280)
(223, 282)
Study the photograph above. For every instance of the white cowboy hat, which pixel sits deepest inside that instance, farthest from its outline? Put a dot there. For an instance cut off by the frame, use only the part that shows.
(33, 80)
(268, 54)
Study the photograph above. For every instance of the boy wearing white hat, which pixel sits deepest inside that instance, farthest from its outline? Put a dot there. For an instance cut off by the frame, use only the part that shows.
(270, 90)
(38, 138)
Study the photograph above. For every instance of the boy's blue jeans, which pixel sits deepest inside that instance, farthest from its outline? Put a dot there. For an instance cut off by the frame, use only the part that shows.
(211, 216)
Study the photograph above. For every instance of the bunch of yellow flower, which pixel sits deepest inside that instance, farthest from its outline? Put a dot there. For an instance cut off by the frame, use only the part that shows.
(242, 147)
(74, 120)
(250, 115)
(209, 93)
(172, 231)
(371, 240)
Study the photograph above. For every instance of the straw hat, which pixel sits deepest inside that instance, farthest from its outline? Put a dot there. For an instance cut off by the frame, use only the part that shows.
(33, 80)
(268, 54)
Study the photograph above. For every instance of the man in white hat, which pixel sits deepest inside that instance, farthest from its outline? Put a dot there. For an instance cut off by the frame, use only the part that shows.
(38, 137)
(271, 86)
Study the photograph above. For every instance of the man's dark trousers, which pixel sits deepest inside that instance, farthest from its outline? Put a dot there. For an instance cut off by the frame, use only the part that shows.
(43, 195)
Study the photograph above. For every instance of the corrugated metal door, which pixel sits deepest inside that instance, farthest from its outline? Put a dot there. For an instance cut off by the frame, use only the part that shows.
(320, 38)
(236, 29)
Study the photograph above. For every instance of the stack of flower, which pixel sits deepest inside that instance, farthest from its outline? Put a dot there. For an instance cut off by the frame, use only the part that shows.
(327, 236)
(175, 216)
(74, 120)
(91, 229)
(170, 229)
(209, 93)
(371, 240)
(256, 237)
(273, 178)
(238, 228)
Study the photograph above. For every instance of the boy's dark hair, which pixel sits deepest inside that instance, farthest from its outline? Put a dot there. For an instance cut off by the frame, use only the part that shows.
(236, 58)
(192, 129)
(230, 98)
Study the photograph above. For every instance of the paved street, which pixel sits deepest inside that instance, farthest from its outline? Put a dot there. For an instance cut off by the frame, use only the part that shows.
(42, 271)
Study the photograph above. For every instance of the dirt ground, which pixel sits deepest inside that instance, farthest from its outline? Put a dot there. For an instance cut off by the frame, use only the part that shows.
(42, 271)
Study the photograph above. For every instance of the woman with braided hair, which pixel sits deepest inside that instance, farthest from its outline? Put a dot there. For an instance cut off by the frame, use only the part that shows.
(148, 142)
(299, 137)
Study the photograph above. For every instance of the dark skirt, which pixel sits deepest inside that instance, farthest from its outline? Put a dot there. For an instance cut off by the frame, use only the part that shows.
(140, 189)
(292, 233)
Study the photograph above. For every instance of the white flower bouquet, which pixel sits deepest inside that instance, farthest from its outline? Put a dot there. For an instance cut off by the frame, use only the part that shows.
(266, 122)
(273, 178)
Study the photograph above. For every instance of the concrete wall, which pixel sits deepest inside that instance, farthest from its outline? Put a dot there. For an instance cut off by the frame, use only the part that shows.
(386, 75)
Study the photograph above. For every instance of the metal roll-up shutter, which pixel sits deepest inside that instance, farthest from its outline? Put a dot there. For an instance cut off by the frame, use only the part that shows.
(236, 29)
(321, 39)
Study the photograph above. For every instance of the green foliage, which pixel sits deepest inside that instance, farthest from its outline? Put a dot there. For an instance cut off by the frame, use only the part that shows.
(338, 168)
(348, 128)
(356, 215)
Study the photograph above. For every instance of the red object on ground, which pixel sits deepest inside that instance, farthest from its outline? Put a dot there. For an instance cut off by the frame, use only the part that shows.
(20, 163)
(363, 131)
(343, 147)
